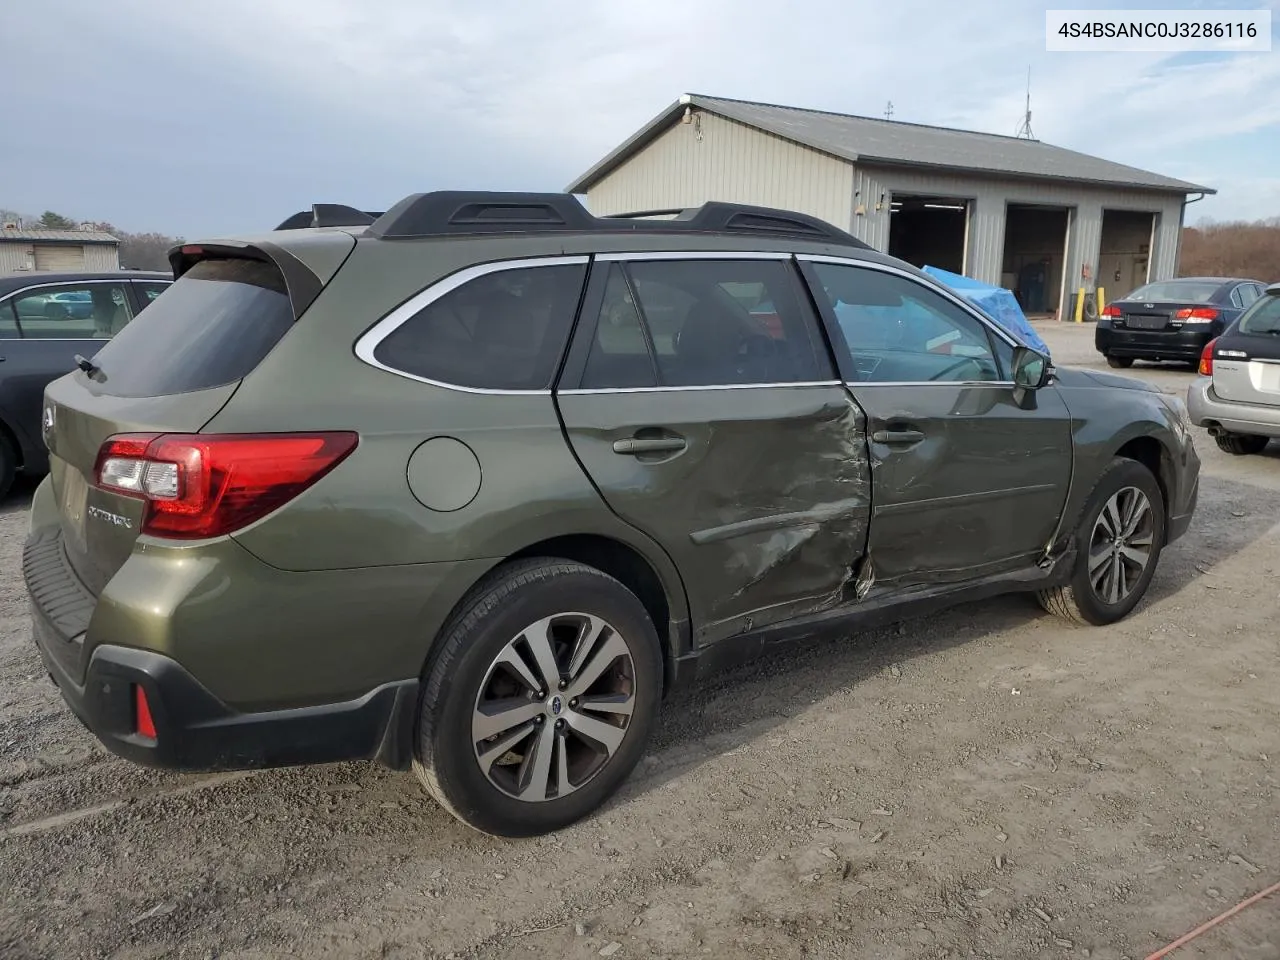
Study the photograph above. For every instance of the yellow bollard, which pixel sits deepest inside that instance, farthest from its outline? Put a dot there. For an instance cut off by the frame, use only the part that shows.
(1079, 317)
(1100, 300)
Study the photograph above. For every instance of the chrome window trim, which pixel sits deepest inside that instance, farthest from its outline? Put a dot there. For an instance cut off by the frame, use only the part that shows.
(859, 384)
(692, 255)
(584, 391)
(69, 283)
(945, 293)
(369, 341)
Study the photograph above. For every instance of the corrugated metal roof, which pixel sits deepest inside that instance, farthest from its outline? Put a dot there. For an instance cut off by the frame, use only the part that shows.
(892, 142)
(58, 236)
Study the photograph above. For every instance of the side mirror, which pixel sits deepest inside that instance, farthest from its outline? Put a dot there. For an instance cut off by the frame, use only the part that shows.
(1031, 370)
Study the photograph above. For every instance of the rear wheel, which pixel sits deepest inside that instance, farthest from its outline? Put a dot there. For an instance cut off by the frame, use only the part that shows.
(1120, 363)
(540, 700)
(1240, 444)
(1118, 544)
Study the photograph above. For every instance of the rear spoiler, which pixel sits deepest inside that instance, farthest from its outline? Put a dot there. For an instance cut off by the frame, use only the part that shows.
(300, 281)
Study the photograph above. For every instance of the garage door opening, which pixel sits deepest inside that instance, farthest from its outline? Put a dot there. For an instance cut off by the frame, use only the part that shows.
(1035, 251)
(929, 231)
(1124, 253)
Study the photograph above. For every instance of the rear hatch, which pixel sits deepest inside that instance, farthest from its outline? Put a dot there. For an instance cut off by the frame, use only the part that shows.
(1246, 359)
(169, 371)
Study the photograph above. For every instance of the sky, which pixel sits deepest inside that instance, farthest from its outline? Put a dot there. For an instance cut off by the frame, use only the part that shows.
(200, 119)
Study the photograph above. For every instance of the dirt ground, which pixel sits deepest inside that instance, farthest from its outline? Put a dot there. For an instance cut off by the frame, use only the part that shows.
(988, 783)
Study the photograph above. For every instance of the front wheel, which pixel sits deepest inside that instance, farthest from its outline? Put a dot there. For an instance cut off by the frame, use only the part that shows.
(1120, 363)
(1240, 444)
(540, 700)
(1118, 544)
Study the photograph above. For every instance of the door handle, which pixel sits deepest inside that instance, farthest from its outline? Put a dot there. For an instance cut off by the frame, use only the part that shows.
(897, 437)
(640, 445)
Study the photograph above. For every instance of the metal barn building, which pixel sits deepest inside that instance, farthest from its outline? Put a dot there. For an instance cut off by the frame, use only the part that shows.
(1034, 218)
(23, 250)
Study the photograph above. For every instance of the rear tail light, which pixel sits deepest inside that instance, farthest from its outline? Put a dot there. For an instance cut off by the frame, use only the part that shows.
(1196, 313)
(1206, 359)
(208, 485)
(1110, 311)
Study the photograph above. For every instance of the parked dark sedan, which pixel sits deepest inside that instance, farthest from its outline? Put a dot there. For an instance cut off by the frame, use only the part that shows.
(46, 319)
(1171, 319)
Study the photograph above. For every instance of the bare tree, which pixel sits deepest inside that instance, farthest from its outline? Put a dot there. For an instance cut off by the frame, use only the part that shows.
(142, 251)
(1237, 249)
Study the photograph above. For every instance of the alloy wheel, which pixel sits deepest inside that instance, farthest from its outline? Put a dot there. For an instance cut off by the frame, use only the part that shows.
(1121, 545)
(554, 707)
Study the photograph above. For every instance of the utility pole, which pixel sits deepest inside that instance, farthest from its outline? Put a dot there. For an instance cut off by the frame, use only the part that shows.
(888, 111)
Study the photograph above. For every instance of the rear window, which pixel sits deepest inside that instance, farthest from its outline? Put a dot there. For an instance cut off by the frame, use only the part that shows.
(211, 327)
(1263, 317)
(1177, 291)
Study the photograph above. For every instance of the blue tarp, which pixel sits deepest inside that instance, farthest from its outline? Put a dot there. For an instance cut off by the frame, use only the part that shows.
(996, 302)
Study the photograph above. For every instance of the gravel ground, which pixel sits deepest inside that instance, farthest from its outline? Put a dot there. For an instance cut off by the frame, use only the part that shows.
(985, 783)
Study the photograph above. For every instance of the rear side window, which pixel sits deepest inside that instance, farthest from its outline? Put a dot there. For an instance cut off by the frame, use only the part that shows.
(504, 330)
(1263, 318)
(211, 327)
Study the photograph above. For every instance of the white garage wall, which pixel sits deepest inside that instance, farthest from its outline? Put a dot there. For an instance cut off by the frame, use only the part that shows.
(712, 158)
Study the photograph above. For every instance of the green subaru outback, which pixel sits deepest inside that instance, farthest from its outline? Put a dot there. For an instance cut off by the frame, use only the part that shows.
(469, 486)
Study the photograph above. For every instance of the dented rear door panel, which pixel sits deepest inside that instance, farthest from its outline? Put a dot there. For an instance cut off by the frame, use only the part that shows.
(765, 507)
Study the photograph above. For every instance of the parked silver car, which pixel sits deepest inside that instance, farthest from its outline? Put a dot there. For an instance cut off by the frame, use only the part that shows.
(1237, 395)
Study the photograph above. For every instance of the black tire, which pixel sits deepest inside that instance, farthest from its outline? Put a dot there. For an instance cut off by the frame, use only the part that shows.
(1120, 363)
(496, 611)
(1240, 444)
(1078, 601)
(8, 464)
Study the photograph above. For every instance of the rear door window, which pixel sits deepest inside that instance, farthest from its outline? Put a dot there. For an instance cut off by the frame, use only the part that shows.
(215, 325)
(148, 290)
(72, 311)
(503, 330)
(692, 323)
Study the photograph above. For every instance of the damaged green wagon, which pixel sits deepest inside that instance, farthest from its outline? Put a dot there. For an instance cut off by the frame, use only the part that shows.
(468, 486)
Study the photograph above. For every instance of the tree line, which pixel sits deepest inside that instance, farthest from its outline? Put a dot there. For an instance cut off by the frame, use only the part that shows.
(1238, 249)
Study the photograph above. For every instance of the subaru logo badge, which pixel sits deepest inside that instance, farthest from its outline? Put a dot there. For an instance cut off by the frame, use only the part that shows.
(1148, 305)
(556, 706)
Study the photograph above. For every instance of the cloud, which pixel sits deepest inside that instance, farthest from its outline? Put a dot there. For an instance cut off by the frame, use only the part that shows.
(195, 119)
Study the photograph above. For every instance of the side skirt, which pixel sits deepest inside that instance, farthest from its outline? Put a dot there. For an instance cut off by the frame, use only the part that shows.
(868, 614)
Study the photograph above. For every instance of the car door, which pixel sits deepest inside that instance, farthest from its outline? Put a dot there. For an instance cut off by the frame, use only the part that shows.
(53, 323)
(724, 435)
(969, 475)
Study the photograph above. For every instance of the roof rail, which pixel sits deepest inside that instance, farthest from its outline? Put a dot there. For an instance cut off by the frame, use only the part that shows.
(456, 212)
(329, 215)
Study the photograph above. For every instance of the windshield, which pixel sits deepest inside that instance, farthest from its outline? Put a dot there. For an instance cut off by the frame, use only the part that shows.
(1263, 316)
(1176, 291)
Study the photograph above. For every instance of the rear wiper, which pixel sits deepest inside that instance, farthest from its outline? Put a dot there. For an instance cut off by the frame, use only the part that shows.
(88, 366)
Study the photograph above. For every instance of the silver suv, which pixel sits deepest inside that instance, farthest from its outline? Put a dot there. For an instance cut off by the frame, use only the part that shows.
(1237, 395)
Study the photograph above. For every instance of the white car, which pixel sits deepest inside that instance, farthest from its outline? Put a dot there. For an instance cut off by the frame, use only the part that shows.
(1237, 395)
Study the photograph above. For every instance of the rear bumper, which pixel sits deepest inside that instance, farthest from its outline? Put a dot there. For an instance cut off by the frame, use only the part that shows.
(1185, 344)
(1207, 409)
(197, 731)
